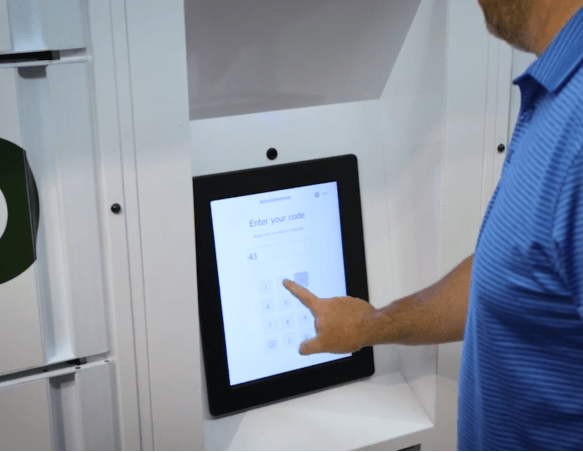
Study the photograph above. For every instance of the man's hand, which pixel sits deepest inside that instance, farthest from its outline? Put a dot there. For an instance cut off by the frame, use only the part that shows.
(341, 323)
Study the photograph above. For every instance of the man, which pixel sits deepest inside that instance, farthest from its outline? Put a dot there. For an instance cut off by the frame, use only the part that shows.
(521, 379)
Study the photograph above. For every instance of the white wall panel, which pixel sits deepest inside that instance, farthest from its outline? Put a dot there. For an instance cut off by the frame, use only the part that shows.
(469, 57)
(131, 210)
(413, 109)
(503, 132)
(499, 84)
(127, 338)
(159, 89)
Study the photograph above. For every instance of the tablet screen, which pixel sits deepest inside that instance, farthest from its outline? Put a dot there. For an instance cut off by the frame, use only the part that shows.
(260, 240)
(254, 228)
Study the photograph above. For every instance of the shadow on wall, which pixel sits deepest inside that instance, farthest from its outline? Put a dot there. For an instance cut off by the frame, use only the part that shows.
(251, 56)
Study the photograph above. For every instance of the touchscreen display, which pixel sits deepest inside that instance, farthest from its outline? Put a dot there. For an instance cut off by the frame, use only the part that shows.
(260, 240)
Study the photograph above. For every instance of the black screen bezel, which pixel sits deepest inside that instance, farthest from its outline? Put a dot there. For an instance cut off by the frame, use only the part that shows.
(224, 398)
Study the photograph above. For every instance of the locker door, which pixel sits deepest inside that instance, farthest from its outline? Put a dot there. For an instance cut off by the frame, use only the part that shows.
(55, 310)
(5, 37)
(40, 25)
(24, 418)
(68, 409)
(20, 325)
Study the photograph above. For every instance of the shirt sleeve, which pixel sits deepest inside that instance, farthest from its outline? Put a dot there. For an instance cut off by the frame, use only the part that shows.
(568, 231)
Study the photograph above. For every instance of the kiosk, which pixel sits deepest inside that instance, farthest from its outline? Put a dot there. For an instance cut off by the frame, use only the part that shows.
(134, 98)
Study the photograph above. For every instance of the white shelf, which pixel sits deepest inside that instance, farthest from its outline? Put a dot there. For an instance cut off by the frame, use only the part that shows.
(359, 415)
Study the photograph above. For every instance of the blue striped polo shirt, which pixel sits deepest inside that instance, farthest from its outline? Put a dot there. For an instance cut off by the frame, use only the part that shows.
(521, 378)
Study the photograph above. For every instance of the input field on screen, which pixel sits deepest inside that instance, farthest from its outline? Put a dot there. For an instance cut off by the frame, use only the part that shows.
(279, 251)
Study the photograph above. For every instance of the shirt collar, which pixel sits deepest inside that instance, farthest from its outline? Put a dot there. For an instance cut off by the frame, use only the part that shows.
(561, 57)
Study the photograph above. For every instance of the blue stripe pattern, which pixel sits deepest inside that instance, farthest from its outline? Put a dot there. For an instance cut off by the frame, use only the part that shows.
(521, 380)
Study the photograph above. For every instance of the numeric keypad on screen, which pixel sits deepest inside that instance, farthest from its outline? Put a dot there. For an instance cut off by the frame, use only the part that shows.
(286, 321)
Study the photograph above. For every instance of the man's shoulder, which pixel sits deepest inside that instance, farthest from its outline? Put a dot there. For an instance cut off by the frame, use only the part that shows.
(570, 94)
(566, 113)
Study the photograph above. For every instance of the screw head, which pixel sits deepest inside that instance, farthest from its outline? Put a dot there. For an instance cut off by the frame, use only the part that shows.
(501, 148)
(272, 153)
(116, 208)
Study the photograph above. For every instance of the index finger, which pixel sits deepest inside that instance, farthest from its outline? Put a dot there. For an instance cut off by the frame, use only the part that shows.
(309, 300)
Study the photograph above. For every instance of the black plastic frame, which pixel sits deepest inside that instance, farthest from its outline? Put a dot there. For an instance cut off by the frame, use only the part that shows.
(223, 398)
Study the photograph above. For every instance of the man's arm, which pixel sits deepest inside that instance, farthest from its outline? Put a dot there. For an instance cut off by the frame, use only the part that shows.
(434, 315)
